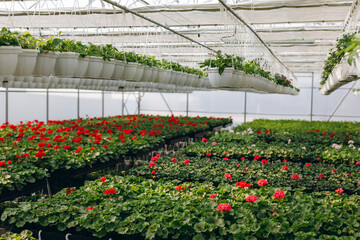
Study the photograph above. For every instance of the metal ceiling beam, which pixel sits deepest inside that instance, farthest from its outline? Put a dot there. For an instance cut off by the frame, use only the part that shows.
(156, 23)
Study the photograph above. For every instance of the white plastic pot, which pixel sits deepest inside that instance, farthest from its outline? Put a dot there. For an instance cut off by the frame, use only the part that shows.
(8, 59)
(119, 70)
(154, 74)
(146, 77)
(108, 69)
(225, 80)
(95, 66)
(82, 66)
(139, 72)
(163, 76)
(66, 64)
(172, 77)
(26, 62)
(45, 64)
(130, 71)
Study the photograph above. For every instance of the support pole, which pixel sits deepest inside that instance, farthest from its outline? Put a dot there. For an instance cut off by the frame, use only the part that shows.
(47, 105)
(7, 105)
(78, 104)
(312, 96)
(102, 103)
(139, 100)
(341, 101)
(166, 104)
(245, 106)
(187, 104)
(122, 103)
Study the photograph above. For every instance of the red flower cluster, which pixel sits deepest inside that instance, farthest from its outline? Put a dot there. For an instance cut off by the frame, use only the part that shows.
(262, 182)
(213, 195)
(251, 198)
(186, 161)
(264, 161)
(173, 159)
(285, 168)
(339, 191)
(110, 191)
(308, 165)
(103, 179)
(178, 188)
(321, 176)
(223, 207)
(151, 164)
(242, 184)
(279, 194)
(295, 176)
(227, 176)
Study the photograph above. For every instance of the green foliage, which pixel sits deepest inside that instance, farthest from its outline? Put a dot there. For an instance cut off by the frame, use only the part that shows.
(24, 235)
(27, 41)
(156, 210)
(336, 54)
(8, 38)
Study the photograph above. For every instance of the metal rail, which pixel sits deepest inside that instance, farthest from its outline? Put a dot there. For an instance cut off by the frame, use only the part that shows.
(157, 23)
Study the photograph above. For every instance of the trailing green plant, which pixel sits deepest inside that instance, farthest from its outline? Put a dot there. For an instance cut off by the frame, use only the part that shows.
(27, 41)
(335, 55)
(8, 38)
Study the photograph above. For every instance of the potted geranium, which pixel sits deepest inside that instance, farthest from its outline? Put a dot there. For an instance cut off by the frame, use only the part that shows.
(27, 55)
(9, 50)
(108, 54)
(96, 61)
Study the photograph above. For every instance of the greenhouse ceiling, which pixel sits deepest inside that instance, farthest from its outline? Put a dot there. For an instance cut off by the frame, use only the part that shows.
(299, 32)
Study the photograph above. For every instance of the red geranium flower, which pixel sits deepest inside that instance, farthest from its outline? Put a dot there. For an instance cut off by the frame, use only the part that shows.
(41, 144)
(331, 135)
(279, 194)
(308, 165)
(173, 159)
(153, 172)
(90, 208)
(242, 158)
(263, 161)
(2, 163)
(227, 176)
(242, 184)
(358, 163)
(208, 154)
(186, 161)
(262, 182)
(213, 195)
(257, 157)
(285, 168)
(321, 176)
(223, 207)
(103, 179)
(214, 143)
(204, 140)
(178, 188)
(226, 158)
(110, 191)
(251, 198)
(295, 176)
(151, 164)
(339, 191)
(155, 158)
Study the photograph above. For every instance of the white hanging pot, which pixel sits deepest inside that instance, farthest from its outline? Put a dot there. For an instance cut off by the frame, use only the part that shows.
(139, 72)
(45, 64)
(172, 77)
(119, 70)
(225, 80)
(130, 71)
(154, 74)
(8, 59)
(82, 66)
(146, 77)
(66, 64)
(108, 69)
(26, 62)
(95, 66)
(178, 78)
(164, 76)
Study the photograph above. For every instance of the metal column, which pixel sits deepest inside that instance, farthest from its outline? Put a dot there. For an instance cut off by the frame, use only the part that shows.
(47, 105)
(78, 104)
(122, 103)
(312, 96)
(187, 104)
(102, 103)
(138, 102)
(7, 105)
(245, 107)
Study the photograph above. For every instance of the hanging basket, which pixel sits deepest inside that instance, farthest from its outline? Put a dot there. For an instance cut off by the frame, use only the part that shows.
(95, 66)
(119, 70)
(146, 77)
(82, 66)
(225, 80)
(45, 64)
(26, 62)
(66, 64)
(164, 76)
(108, 69)
(8, 59)
(130, 71)
(139, 72)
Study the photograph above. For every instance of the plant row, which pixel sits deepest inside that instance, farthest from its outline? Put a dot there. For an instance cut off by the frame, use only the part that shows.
(144, 208)
(308, 177)
(300, 144)
(32, 150)
(222, 62)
